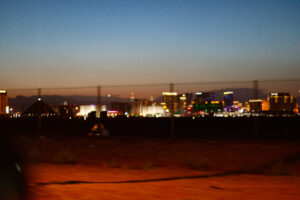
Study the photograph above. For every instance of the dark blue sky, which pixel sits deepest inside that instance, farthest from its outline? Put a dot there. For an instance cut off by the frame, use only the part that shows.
(79, 43)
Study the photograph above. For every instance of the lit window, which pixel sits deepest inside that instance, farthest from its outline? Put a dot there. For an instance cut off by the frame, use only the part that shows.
(276, 99)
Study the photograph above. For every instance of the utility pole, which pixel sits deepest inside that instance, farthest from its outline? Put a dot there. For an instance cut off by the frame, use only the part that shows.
(255, 89)
(255, 119)
(172, 119)
(39, 130)
(99, 98)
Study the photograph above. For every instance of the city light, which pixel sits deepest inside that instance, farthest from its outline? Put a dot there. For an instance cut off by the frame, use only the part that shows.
(255, 100)
(187, 104)
(170, 93)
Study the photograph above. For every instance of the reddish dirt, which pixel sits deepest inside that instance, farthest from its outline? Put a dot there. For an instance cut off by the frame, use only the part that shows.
(113, 160)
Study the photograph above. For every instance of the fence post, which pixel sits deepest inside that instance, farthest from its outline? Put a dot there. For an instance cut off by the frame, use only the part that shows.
(255, 89)
(172, 119)
(255, 119)
(99, 98)
(39, 130)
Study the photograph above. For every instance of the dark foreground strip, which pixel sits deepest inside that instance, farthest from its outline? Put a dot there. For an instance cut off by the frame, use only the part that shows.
(142, 180)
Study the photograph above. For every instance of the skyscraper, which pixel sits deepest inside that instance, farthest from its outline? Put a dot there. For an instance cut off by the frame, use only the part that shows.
(204, 97)
(228, 101)
(182, 102)
(282, 102)
(259, 105)
(3, 102)
(205, 102)
(135, 105)
(170, 101)
(132, 98)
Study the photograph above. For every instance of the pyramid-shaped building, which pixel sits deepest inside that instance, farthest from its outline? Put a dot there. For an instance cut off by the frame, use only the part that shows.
(39, 108)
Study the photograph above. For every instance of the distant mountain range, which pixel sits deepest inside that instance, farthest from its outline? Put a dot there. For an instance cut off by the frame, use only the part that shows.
(21, 103)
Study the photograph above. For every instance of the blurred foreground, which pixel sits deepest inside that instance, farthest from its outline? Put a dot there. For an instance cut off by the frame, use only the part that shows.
(139, 168)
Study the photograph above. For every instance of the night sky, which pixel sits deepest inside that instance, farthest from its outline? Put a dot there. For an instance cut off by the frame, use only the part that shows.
(83, 43)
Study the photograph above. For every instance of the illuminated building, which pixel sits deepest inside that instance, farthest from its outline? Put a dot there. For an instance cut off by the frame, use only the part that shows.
(265, 105)
(228, 101)
(282, 102)
(153, 111)
(134, 105)
(121, 107)
(112, 113)
(3, 102)
(132, 98)
(205, 102)
(202, 97)
(189, 98)
(255, 105)
(146, 102)
(237, 105)
(84, 110)
(216, 106)
(66, 110)
(246, 107)
(208, 107)
(182, 103)
(170, 101)
(151, 100)
(259, 105)
(39, 108)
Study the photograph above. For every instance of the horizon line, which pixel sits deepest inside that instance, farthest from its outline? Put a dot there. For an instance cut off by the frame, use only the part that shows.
(158, 84)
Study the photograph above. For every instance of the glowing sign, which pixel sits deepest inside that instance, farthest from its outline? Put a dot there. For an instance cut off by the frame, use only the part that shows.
(198, 93)
(112, 111)
(229, 92)
(170, 93)
(255, 100)
(2, 91)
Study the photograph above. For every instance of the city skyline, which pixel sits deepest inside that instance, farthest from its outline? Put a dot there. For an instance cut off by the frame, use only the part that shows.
(184, 105)
(241, 96)
(69, 44)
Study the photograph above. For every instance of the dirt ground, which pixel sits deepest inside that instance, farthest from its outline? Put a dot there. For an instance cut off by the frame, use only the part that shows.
(127, 168)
